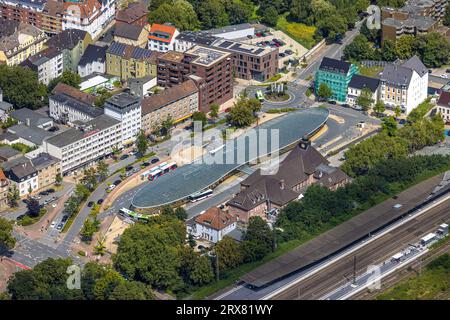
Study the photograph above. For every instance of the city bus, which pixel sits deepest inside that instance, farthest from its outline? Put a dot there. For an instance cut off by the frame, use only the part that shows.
(124, 212)
(154, 174)
(200, 195)
(167, 167)
(259, 95)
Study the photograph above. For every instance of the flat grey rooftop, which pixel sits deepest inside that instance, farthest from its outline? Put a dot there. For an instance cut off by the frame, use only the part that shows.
(206, 171)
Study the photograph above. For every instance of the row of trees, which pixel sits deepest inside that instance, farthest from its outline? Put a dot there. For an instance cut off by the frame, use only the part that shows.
(321, 208)
(244, 112)
(205, 14)
(432, 48)
(393, 143)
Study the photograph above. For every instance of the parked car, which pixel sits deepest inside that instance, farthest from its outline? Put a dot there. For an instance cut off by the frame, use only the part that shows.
(90, 204)
(154, 160)
(43, 193)
(117, 182)
(60, 226)
(53, 224)
(289, 51)
(145, 164)
(129, 168)
(111, 187)
(123, 157)
(100, 201)
(51, 190)
(65, 218)
(135, 170)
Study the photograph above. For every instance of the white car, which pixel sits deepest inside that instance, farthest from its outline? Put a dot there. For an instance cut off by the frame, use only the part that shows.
(444, 76)
(53, 224)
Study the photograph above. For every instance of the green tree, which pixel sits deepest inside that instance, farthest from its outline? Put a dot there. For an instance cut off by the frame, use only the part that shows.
(397, 111)
(446, 20)
(131, 290)
(389, 126)
(240, 115)
(58, 178)
(324, 91)
(332, 28)
(7, 240)
(91, 272)
(102, 96)
(270, 16)
(166, 125)
(359, 49)
(195, 269)
(258, 239)
(212, 14)
(200, 117)
(102, 170)
(239, 11)
(379, 107)
(90, 179)
(33, 207)
(389, 51)
(365, 99)
(229, 253)
(89, 228)
(21, 87)
(178, 12)
(100, 247)
(180, 213)
(13, 196)
(214, 111)
(141, 143)
(68, 77)
(433, 49)
(404, 47)
(105, 286)
(47, 281)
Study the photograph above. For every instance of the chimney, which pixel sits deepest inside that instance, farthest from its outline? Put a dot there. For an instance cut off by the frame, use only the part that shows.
(282, 184)
(28, 121)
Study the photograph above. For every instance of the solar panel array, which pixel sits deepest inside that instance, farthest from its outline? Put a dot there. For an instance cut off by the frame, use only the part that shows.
(117, 48)
(225, 44)
(140, 53)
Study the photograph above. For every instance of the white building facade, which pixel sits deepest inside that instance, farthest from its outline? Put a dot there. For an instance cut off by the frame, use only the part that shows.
(125, 108)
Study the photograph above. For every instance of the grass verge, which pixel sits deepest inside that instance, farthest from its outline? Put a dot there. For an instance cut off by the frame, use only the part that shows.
(300, 32)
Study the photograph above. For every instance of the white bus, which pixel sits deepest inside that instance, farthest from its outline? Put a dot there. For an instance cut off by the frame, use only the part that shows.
(124, 212)
(167, 167)
(200, 195)
(154, 174)
(427, 239)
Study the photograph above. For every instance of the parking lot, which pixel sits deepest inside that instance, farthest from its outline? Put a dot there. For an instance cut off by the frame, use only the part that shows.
(288, 47)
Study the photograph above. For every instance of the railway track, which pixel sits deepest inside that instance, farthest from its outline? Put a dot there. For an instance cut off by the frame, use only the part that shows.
(340, 272)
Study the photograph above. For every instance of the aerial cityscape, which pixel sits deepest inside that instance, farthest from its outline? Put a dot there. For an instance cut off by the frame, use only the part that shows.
(224, 150)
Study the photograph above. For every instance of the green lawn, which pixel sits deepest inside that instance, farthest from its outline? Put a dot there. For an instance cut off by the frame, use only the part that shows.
(300, 32)
(370, 71)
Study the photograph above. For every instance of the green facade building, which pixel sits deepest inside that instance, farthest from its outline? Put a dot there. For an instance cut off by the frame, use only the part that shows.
(336, 74)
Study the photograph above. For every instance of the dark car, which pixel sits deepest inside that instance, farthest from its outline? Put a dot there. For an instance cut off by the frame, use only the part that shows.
(64, 218)
(53, 129)
(154, 160)
(117, 182)
(145, 164)
(44, 193)
(129, 168)
(447, 71)
(332, 102)
(60, 226)
(51, 190)
(90, 204)
(123, 157)
(99, 201)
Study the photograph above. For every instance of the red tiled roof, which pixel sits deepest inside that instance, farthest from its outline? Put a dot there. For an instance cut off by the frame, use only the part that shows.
(162, 28)
(74, 93)
(216, 218)
(444, 100)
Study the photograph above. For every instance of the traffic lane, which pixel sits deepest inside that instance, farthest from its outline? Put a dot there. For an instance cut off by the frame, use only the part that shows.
(375, 252)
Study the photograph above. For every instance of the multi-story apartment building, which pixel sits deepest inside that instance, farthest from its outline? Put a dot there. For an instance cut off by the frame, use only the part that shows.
(52, 16)
(360, 83)
(135, 13)
(178, 102)
(4, 187)
(68, 110)
(162, 37)
(18, 41)
(48, 64)
(92, 16)
(404, 85)
(250, 62)
(72, 43)
(47, 167)
(336, 74)
(26, 11)
(443, 106)
(92, 61)
(125, 108)
(126, 61)
(85, 143)
(414, 18)
(209, 68)
(22, 174)
(188, 39)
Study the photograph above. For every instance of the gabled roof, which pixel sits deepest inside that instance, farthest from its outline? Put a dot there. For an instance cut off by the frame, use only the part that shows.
(43, 160)
(128, 31)
(161, 29)
(444, 100)
(134, 12)
(93, 53)
(132, 52)
(416, 64)
(62, 88)
(401, 75)
(33, 134)
(67, 39)
(333, 65)
(168, 96)
(361, 82)
(215, 218)
(23, 169)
